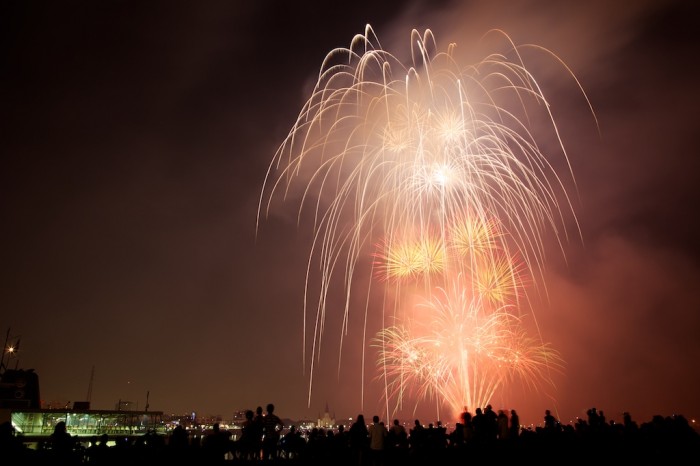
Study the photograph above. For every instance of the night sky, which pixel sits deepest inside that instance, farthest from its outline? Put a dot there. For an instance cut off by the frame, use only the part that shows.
(136, 138)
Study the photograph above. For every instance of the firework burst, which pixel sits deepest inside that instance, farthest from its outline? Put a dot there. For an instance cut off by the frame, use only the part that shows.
(411, 259)
(437, 163)
(460, 351)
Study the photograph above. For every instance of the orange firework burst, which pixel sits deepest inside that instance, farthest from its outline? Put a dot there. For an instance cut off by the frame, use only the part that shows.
(460, 350)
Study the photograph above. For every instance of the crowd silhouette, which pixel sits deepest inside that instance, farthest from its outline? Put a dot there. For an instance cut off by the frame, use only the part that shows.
(488, 436)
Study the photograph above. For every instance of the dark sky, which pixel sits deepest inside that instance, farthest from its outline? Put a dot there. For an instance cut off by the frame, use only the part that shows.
(136, 138)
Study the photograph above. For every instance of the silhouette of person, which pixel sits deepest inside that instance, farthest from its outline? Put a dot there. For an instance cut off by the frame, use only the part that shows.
(492, 422)
(11, 447)
(550, 422)
(440, 435)
(291, 443)
(216, 444)
(417, 437)
(503, 428)
(272, 425)
(377, 438)
(514, 428)
(480, 426)
(398, 435)
(396, 443)
(593, 418)
(247, 445)
(179, 438)
(467, 426)
(358, 437)
(631, 426)
(259, 423)
(62, 444)
(341, 446)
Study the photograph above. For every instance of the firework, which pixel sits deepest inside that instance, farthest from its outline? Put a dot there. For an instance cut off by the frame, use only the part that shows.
(409, 259)
(467, 339)
(460, 351)
(435, 162)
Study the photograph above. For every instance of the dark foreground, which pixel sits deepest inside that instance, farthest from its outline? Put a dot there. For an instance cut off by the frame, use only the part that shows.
(669, 440)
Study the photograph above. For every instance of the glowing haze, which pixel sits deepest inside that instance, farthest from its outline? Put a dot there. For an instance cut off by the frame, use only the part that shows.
(433, 168)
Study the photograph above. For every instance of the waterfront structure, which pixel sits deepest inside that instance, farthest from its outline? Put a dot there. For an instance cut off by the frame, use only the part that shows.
(40, 423)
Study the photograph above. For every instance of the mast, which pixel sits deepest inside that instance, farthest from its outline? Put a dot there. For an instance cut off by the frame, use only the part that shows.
(89, 392)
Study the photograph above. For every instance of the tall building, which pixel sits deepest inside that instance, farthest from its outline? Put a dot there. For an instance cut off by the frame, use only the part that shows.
(327, 422)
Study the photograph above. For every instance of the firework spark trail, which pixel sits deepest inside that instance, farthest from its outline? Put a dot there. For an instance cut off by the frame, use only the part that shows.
(419, 155)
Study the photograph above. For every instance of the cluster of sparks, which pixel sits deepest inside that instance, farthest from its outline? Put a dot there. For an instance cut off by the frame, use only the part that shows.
(433, 173)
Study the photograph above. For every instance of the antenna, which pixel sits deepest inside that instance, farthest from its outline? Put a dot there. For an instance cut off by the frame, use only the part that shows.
(89, 392)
